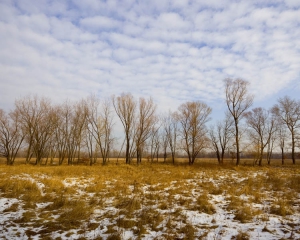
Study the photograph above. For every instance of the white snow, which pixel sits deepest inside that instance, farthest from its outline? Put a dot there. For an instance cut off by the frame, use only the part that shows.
(219, 225)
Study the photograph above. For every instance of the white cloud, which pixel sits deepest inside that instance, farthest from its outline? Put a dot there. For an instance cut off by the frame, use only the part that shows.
(171, 21)
(172, 50)
(99, 23)
(292, 3)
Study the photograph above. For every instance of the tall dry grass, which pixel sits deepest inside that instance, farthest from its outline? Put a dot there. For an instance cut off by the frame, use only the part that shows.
(150, 196)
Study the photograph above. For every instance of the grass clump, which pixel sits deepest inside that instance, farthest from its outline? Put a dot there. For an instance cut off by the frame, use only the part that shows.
(281, 207)
(24, 188)
(244, 214)
(74, 213)
(189, 231)
(13, 208)
(126, 223)
(53, 185)
(27, 217)
(58, 202)
(114, 236)
(242, 210)
(275, 181)
(147, 217)
(203, 204)
(242, 236)
(294, 182)
(129, 204)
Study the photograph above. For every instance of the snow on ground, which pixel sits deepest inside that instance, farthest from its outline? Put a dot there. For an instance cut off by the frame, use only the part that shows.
(174, 213)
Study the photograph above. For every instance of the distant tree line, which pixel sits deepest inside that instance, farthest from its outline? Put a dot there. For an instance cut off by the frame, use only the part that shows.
(83, 130)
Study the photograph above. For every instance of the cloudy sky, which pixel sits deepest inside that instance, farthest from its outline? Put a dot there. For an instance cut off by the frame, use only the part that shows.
(172, 50)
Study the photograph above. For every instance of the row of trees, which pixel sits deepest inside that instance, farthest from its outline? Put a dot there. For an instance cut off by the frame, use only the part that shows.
(70, 131)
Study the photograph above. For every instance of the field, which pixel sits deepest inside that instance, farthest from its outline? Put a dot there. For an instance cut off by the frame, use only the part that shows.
(150, 201)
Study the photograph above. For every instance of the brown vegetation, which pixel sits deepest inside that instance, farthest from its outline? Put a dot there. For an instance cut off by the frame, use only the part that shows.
(149, 197)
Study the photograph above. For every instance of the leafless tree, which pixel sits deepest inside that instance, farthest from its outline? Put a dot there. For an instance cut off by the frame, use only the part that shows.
(63, 131)
(38, 121)
(100, 124)
(288, 112)
(45, 128)
(170, 126)
(155, 142)
(238, 100)
(106, 120)
(282, 136)
(146, 120)
(27, 108)
(221, 136)
(262, 128)
(125, 107)
(11, 135)
(79, 124)
(90, 144)
(69, 133)
(192, 117)
(270, 145)
(52, 145)
(164, 144)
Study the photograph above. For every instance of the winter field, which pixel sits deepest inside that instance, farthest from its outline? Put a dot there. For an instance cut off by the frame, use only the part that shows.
(150, 201)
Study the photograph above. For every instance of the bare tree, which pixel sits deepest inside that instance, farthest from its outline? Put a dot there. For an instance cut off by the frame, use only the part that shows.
(270, 145)
(28, 110)
(192, 117)
(155, 142)
(288, 112)
(90, 144)
(106, 125)
(262, 128)
(146, 120)
(63, 131)
(171, 128)
(52, 145)
(100, 123)
(238, 100)
(44, 130)
(125, 107)
(37, 118)
(164, 144)
(70, 130)
(282, 136)
(221, 136)
(11, 135)
(79, 124)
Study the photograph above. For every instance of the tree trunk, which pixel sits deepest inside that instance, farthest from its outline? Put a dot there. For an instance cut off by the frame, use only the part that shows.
(261, 156)
(29, 154)
(293, 148)
(282, 156)
(127, 151)
(138, 156)
(218, 154)
(237, 143)
(222, 156)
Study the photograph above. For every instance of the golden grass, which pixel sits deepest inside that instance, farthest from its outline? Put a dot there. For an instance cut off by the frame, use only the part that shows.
(203, 204)
(281, 207)
(150, 196)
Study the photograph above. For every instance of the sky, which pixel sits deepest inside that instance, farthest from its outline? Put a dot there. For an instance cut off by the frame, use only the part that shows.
(172, 50)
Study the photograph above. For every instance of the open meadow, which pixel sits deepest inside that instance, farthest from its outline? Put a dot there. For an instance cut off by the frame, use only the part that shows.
(150, 201)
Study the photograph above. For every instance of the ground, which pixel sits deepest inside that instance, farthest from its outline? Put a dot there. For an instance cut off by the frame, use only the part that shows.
(150, 201)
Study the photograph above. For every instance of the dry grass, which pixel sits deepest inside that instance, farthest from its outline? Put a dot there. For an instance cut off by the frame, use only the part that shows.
(149, 197)
(203, 204)
(281, 207)
(73, 213)
(242, 210)
(242, 236)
